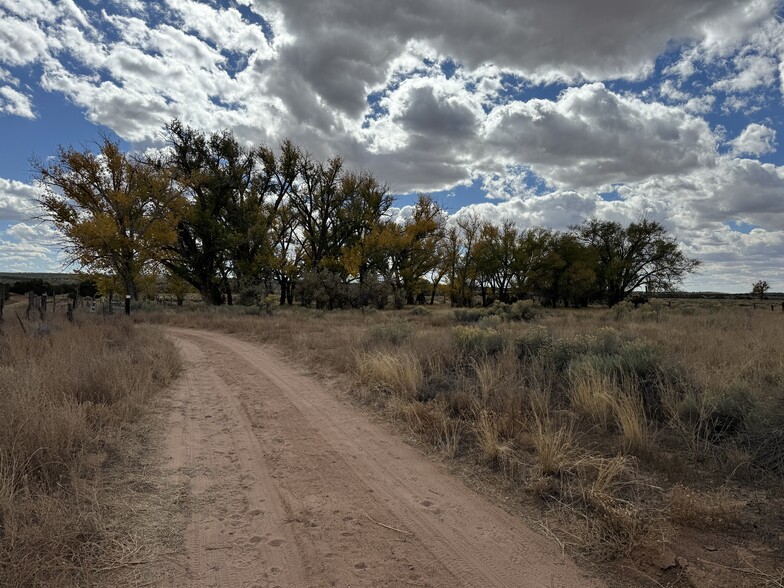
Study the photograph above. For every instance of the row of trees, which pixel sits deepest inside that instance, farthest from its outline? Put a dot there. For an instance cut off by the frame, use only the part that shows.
(234, 221)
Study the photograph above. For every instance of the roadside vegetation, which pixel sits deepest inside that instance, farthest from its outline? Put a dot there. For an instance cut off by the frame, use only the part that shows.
(73, 399)
(637, 435)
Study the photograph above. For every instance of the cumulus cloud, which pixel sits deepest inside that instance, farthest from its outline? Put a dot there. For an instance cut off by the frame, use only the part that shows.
(41, 233)
(21, 41)
(14, 102)
(17, 200)
(521, 36)
(755, 139)
(591, 136)
(441, 94)
(751, 71)
(26, 256)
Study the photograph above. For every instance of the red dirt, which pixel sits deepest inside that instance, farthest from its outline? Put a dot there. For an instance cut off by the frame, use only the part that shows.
(294, 487)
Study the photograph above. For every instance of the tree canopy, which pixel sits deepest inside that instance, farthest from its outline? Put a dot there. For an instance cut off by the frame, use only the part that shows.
(239, 221)
(115, 213)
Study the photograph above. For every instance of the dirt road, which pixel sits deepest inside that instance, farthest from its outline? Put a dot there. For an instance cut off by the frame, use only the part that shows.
(293, 487)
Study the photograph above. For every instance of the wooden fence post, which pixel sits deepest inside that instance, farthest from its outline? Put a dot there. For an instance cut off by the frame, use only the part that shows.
(2, 301)
(30, 298)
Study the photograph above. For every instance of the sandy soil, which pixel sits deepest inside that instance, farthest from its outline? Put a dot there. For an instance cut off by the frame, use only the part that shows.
(292, 487)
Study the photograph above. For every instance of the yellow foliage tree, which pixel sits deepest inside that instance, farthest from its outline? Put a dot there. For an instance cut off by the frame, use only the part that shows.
(115, 213)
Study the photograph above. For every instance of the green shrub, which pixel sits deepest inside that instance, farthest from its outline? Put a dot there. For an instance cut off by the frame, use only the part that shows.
(478, 341)
(561, 351)
(420, 311)
(522, 310)
(467, 315)
(728, 412)
(394, 332)
(530, 342)
(607, 341)
(622, 310)
(490, 322)
(640, 358)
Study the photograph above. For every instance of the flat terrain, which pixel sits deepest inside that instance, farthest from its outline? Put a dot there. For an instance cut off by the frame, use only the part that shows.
(290, 486)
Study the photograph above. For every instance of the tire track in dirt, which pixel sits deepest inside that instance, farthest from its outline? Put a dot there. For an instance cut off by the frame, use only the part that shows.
(293, 487)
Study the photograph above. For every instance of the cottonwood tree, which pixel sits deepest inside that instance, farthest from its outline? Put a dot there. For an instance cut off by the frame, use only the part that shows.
(234, 194)
(408, 250)
(115, 213)
(495, 259)
(566, 271)
(759, 289)
(641, 254)
(460, 256)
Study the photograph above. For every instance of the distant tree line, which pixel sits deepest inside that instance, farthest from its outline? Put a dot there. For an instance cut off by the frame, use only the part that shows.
(237, 223)
(39, 286)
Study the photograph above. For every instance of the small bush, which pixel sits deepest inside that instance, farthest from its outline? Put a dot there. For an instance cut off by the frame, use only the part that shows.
(530, 342)
(556, 447)
(467, 315)
(477, 341)
(393, 333)
(632, 423)
(728, 412)
(522, 310)
(420, 311)
(622, 310)
(490, 322)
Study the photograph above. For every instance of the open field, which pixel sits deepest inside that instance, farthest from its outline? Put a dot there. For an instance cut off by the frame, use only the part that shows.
(645, 441)
(74, 401)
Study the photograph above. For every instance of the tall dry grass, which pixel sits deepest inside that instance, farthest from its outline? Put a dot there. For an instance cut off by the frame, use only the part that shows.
(68, 394)
(596, 412)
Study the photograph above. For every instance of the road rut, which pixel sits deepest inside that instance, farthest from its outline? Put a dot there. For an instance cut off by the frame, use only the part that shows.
(294, 487)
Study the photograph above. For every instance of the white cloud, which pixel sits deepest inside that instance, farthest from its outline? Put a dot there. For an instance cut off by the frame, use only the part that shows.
(41, 9)
(27, 256)
(755, 139)
(520, 36)
(751, 72)
(16, 103)
(225, 28)
(309, 71)
(40, 233)
(591, 136)
(21, 42)
(17, 200)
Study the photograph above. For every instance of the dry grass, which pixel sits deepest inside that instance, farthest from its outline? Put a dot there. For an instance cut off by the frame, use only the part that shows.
(632, 422)
(67, 398)
(588, 410)
(696, 508)
(591, 395)
(556, 447)
(399, 374)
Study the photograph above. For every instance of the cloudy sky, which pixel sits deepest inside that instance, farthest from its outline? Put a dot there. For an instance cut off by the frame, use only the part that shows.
(544, 111)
